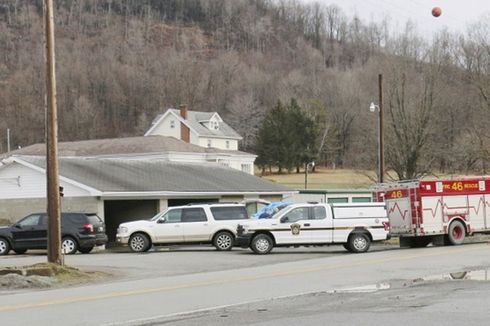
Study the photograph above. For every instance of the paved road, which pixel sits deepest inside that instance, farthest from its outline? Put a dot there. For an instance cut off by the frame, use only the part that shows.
(245, 278)
(180, 260)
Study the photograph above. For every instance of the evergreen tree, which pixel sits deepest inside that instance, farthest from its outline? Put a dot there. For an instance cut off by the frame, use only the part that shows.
(287, 138)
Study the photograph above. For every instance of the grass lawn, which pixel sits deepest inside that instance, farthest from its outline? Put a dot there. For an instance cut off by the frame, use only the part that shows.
(324, 178)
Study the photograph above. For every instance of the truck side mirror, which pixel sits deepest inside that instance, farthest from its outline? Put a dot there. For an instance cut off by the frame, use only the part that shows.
(284, 219)
(161, 221)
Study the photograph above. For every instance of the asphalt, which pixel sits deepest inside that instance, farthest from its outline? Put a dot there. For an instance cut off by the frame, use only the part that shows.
(154, 299)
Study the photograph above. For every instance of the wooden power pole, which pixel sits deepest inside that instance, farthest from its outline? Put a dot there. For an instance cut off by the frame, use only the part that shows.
(53, 197)
(381, 136)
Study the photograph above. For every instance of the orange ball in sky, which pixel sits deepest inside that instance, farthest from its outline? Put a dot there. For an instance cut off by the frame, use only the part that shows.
(436, 11)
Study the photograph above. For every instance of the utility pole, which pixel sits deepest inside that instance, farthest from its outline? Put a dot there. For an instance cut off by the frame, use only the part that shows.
(53, 198)
(381, 156)
(8, 140)
(306, 176)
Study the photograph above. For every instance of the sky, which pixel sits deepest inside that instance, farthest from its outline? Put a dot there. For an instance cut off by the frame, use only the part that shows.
(456, 14)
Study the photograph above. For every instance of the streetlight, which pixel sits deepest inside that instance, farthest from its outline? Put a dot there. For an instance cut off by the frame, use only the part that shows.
(308, 166)
(373, 107)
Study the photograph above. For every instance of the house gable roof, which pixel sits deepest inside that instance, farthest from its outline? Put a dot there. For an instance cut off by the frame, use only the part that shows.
(194, 122)
(144, 176)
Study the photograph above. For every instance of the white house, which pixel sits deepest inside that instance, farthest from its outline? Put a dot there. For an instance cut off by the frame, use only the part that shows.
(205, 129)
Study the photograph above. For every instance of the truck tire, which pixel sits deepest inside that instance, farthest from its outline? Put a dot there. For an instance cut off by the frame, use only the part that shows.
(262, 244)
(456, 233)
(346, 246)
(4, 247)
(223, 241)
(359, 242)
(139, 242)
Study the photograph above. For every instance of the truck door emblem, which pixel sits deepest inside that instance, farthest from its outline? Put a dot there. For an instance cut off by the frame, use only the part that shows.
(295, 228)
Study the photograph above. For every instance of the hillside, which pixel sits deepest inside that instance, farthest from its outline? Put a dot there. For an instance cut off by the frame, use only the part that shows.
(120, 63)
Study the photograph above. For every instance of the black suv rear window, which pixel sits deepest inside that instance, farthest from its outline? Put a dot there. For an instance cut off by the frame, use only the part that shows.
(229, 213)
(94, 219)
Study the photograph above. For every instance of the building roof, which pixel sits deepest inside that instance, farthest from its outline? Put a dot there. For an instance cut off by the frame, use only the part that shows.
(129, 145)
(119, 175)
(195, 119)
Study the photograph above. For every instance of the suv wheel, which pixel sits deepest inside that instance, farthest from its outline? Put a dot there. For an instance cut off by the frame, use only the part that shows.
(4, 246)
(139, 242)
(223, 241)
(69, 246)
(262, 244)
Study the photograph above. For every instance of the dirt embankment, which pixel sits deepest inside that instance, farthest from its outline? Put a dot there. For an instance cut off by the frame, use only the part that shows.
(45, 275)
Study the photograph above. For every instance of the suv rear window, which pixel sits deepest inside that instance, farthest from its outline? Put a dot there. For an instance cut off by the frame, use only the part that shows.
(77, 219)
(229, 213)
(94, 219)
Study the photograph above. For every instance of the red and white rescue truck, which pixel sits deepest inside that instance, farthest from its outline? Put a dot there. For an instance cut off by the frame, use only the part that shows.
(443, 212)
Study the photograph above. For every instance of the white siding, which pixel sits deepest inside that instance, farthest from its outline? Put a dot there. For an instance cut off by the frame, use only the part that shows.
(164, 127)
(219, 143)
(18, 181)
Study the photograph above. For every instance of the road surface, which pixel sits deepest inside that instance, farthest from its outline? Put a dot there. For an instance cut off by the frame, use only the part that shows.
(182, 294)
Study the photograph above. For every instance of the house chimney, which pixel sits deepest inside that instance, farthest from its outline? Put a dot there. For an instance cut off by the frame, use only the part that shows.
(183, 111)
(185, 133)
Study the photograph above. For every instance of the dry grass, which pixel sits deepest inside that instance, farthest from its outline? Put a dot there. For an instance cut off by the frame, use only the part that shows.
(58, 275)
(325, 179)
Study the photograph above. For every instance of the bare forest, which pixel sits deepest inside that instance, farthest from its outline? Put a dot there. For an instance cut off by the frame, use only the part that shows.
(122, 62)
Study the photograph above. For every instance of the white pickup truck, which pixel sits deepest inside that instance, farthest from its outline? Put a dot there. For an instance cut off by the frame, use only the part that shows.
(353, 225)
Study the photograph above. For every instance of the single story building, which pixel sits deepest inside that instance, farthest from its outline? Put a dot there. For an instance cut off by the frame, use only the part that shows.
(333, 196)
(121, 189)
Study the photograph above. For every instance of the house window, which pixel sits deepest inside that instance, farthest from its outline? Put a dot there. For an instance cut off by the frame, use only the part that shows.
(246, 168)
(172, 124)
(227, 144)
(209, 142)
(361, 199)
(213, 125)
(224, 163)
(338, 200)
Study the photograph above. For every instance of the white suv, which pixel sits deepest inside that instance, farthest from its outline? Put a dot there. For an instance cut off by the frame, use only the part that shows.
(202, 223)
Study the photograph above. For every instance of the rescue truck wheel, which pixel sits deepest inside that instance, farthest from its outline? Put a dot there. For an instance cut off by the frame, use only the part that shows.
(456, 233)
(358, 242)
(262, 244)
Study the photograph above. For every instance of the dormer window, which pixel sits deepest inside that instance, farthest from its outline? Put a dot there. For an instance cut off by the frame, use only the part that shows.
(172, 124)
(213, 125)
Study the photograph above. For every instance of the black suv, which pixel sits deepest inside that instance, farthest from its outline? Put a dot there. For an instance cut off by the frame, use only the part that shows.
(79, 231)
